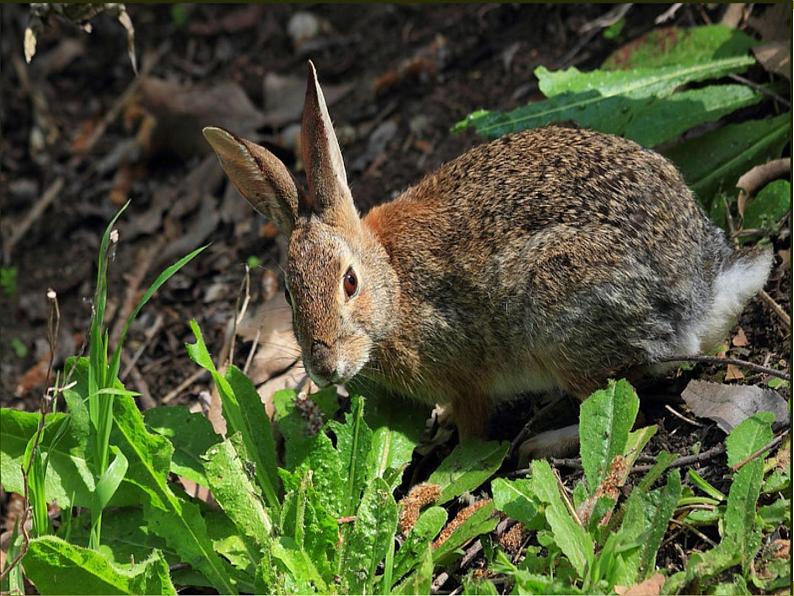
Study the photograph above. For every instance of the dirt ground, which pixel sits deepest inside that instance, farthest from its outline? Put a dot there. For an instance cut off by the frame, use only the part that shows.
(397, 78)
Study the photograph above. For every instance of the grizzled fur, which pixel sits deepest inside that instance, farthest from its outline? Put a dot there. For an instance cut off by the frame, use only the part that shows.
(552, 258)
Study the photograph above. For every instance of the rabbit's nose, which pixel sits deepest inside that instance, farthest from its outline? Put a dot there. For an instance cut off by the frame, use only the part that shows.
(323, 363)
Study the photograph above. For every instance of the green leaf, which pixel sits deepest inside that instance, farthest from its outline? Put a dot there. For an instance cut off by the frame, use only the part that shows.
(605, 419)
(178, 521)
(421, 580)
(353, 441)
(645, 522)
(302, 573)
(675, 45)
(769, 206)
(640, 104)
(236, 494)
(716, 159)
(69, 480)
(572, 538)
(777, 513)
(663, 461)
(244, 414)
(373, 533)
(704, 485)
(57, 567)
(515, 498)
(109, 482)
(480, 522)
(469, 465)
(191, 435)
(418, 540)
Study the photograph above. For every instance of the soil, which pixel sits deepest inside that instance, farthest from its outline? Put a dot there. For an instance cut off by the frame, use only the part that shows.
(413, 71)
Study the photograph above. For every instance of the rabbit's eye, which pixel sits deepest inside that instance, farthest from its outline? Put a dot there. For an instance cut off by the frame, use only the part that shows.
(350, 283)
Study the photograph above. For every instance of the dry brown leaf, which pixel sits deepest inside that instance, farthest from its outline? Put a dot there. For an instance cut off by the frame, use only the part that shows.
(740, 339)
(734, 373)
(757, 177)
(650, 587)
(284, 97)
(294, 378)
(775, 57)
(734, 14)
(728, 405)
(233, 21)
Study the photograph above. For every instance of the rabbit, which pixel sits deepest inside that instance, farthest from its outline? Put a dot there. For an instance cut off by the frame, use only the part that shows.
(550, 259)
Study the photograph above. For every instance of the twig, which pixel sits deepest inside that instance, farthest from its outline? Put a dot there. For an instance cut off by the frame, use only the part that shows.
(148, 335)
(716, 360)
(183, 385)
(695, 531)
(778, 310)
(41, 204)
(252, 353)
(668, 14)
(245, 293)
(462, 563)
(761, 89)
(681, 416)
(773, 443)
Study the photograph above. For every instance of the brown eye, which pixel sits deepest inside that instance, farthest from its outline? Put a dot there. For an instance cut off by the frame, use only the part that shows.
(350, 283)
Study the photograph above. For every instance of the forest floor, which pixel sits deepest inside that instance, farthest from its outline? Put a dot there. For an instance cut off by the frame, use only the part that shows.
(81, 137)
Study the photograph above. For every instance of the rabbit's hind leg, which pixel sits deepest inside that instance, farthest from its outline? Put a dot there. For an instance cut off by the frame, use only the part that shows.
(560, 442)
(471, 412)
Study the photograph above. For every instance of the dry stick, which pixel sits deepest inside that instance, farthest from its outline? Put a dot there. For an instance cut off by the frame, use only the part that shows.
(41, 204)
(183, 385)
(773, 443)
(252, 353)
(760, 89)
(695, 531)
(53, 325)
(148, 335)
(716, 360)
(681, 416)
(778, 310)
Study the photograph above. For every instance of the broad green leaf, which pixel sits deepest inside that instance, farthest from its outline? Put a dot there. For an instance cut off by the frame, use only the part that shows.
(675, 45)
(353, 441)
(635, 443)
(572, 538)
(244, 414)
(125, 536)
(170, 517)
(190, 433)
(605, 419)
(515, 498)
(769, 206)
(469, 465)
(418, 539)
(68, 480)
(370, 539)
(716, 159)
(640, 104)
(57, 567)
(480, 522)
(236, 494)
(301, 570)
(109, 482)
(397, 426)
(777, 513)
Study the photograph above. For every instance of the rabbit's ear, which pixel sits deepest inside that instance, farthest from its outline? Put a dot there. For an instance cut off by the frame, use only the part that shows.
(329, 195)
(259, 175)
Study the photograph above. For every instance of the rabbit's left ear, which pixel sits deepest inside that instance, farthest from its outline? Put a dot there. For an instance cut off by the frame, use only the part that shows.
(329, 196)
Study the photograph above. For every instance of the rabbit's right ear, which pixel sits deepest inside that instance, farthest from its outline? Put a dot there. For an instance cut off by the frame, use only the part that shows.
(259, 175)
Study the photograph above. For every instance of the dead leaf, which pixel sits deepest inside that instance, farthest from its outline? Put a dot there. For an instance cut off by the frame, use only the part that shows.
(757, 177)
(728, 405)
(278, 349)
(734, 373)
(233, 21)
(775, 57)
(734, 14)
(650, 587)
(181, 111)
(774, 24)
(740, 339)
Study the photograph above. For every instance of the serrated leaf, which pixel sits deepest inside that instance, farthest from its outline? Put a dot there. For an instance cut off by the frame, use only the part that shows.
(190, 433)
(302, 575)
(353, 441)
(57, 567)
(605, 419)
(236, 494)
(572, 538)
(371, 537)
(418, 539)
(421, 580)
(716, 159)
(467, 467)
(640, 104)
(675, 45)
(245, 414)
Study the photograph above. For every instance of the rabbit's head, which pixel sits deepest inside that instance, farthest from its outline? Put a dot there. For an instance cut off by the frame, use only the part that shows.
(338, 281)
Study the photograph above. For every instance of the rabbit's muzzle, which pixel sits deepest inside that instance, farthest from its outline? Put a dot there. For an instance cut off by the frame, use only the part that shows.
(322, 365)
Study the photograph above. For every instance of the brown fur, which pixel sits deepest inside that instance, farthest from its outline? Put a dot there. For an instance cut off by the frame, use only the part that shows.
(549, 258)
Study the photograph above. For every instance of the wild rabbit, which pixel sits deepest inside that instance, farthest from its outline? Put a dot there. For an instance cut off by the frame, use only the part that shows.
(551, 258)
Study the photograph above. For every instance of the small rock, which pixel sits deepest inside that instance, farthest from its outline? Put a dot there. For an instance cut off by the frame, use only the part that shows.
(302, 27)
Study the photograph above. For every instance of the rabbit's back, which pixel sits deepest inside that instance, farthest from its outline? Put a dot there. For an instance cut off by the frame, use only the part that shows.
(580, 251)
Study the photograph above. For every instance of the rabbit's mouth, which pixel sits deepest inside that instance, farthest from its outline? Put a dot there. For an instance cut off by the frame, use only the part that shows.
(340, 376)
